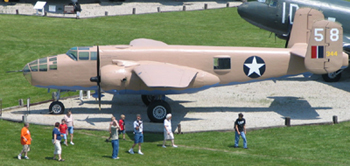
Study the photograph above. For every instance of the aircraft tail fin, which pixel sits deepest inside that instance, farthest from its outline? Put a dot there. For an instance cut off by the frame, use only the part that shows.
(322, 40)
(303, 20)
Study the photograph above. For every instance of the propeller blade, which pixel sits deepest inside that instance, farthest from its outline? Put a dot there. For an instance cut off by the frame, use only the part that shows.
(99, 77)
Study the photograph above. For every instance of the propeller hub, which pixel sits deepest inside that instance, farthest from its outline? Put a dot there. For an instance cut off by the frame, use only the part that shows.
(95, 79)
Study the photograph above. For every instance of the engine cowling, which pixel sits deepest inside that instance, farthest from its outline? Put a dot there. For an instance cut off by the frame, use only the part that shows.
(114, 77)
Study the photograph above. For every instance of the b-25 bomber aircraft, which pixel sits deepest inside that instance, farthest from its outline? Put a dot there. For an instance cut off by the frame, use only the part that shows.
(276, 16)
(154, 69)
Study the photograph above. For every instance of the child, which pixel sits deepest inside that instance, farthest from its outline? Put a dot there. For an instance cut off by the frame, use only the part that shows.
(63, 130)
(110, 133)
(122, 125)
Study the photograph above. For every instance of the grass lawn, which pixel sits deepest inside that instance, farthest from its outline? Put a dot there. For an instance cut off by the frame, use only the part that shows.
(302, 145)
(26, 38)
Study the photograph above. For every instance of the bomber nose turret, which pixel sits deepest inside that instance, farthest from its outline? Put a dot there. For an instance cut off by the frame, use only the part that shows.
(26, 73)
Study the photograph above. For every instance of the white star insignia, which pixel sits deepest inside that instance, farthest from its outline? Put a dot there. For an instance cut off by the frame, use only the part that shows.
(254, 67)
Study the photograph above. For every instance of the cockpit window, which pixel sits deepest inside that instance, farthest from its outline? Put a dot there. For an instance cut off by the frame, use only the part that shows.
(93, 55)
(84, 48)
(72, 53)
(272, 3)
(83, 55)
(262, 1)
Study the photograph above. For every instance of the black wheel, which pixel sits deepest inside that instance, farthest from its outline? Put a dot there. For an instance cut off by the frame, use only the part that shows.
(332, 77)
(56, 107)
(158, 110)
(147, 99)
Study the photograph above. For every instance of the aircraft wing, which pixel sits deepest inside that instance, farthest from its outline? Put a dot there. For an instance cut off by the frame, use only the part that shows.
(156, 74)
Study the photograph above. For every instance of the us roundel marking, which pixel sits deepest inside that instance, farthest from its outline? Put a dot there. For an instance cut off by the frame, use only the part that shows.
(254, 67)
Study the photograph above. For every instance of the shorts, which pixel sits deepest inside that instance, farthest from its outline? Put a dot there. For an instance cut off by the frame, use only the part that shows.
(168, 136)
(58, 149)
(138, 138)
(26, 148)
(121, 131)
(70, 130)
(64, 136)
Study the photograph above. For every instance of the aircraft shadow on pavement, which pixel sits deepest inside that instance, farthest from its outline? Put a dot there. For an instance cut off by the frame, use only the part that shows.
(342, 84)
(130, 105)
(286, 106)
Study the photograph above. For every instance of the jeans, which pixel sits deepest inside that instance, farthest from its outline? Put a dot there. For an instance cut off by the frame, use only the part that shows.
(115, 145)
(243, 137)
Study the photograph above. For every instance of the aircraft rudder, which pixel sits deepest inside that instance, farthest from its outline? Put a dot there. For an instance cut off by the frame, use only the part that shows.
(325, 52)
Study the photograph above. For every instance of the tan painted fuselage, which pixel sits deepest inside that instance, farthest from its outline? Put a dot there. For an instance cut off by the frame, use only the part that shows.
(72, 73)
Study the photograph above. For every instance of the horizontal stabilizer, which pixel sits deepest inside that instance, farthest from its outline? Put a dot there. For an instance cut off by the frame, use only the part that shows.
(155, 74)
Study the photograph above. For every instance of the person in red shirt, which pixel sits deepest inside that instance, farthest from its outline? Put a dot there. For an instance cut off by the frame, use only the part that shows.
(63, 129)
(122, 125)
(26, 140)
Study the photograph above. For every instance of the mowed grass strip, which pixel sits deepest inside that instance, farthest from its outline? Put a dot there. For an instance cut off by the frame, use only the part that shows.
(301, 145)
(27, 38)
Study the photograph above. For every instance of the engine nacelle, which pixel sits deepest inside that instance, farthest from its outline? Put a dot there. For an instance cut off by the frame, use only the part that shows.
(114, 77)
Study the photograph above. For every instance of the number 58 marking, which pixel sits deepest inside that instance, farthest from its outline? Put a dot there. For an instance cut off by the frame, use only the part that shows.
(333, 34)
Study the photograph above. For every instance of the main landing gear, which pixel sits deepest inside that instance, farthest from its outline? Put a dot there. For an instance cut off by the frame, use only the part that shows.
(56, 107)
(332, 77)
(157, 107)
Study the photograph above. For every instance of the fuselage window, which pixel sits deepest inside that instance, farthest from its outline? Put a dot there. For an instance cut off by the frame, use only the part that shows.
(83, 55)
(222, 63)
(93, 55)
(43, 67)
(53, 63)
(53, 59)
(53, 67)
(43, 64)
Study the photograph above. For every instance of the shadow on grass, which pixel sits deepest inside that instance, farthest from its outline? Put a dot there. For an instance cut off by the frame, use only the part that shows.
(50, 158)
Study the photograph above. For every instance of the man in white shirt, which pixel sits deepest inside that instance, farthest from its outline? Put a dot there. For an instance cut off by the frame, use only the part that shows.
(138, 131)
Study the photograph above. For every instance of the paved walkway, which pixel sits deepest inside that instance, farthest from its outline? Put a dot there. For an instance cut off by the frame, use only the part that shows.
(117, 8)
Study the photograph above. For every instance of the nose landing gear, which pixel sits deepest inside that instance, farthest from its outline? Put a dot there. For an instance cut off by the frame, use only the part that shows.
(56, 107)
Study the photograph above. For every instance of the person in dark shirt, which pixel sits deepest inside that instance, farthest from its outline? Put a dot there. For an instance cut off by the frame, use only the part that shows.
(56, 140)
(240, 131)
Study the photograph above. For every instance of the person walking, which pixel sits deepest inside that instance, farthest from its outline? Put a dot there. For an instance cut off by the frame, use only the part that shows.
(138, 131)
(56, 140)
(114, 139)
(26, 140)
(70, 123)
(168, 133)
(110, 133)
(240, 131)
(122, 125)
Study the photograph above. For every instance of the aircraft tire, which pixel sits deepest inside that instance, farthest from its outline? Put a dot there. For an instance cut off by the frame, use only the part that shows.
(157, 111)
(331, 77)
(56, 107)
(147, 99)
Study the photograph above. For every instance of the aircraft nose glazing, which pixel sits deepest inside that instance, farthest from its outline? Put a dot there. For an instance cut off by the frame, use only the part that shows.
(27, 73)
